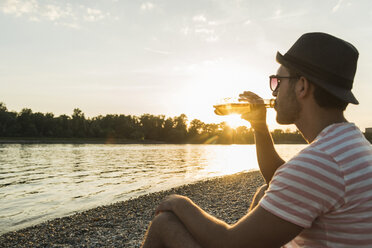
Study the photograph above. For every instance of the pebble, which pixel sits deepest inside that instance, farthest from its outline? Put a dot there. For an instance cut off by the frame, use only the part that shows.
(123, 224)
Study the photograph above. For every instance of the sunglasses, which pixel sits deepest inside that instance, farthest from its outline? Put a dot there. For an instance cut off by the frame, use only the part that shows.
(275, 81)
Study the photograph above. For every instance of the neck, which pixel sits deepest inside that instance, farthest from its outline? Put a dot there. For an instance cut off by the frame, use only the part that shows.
(310, 125)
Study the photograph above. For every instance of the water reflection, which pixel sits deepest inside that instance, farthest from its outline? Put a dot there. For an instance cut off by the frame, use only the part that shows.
(40, 182)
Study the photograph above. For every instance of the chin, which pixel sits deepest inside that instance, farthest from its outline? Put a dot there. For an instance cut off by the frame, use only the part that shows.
(284, 121)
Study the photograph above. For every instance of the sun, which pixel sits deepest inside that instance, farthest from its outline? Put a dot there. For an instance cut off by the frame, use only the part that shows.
(235, 121)
(211, 81)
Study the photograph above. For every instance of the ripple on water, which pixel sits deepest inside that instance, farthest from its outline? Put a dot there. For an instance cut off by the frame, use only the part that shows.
(39, 182)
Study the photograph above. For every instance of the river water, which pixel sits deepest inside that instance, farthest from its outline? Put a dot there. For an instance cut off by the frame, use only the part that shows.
(39, 182)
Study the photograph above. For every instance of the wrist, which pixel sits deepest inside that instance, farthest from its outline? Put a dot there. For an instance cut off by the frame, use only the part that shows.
(259, 126)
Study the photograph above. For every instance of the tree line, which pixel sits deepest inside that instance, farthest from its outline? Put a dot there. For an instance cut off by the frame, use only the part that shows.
(146, 127)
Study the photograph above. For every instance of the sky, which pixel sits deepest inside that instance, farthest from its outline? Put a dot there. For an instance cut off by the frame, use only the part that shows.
(164, 57)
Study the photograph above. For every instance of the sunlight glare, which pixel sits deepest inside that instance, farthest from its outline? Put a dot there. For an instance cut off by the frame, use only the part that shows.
(210, 82)
(231, 159)
(235, 121)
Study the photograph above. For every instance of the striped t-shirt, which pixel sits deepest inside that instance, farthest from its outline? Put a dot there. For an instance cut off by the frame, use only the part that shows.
(327, 189)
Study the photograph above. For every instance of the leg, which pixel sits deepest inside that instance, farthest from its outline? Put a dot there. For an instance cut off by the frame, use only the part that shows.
(257, 197)
(166, 230)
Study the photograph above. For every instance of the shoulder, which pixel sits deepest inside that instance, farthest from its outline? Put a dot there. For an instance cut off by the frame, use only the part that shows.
(344, 142)
(311, 163)
(339, 136)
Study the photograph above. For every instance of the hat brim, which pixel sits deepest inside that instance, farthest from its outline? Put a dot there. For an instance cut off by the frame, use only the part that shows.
(341, 93)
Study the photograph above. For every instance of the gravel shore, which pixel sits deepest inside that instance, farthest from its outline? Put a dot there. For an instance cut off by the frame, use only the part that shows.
(124, 224)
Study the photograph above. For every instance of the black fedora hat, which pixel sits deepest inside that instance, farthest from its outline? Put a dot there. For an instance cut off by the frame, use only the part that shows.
(326, 61)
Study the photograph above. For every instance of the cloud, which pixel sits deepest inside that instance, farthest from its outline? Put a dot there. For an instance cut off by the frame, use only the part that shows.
(212, 38)
(147, 6)
(201, 27)
(199, 18)
(93, 15)
(19, 7)
(157, 51)
(34, 19)
(54, 12)
(206, 34)
(185, 31)
(69, 25)
(278, 15)
(59, 13)
(204, 31)
(337, 6)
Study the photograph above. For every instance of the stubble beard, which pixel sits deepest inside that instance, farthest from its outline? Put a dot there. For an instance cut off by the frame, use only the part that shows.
(288, 111)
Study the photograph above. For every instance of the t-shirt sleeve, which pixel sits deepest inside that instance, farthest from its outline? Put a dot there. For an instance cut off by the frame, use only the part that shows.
(304, 188)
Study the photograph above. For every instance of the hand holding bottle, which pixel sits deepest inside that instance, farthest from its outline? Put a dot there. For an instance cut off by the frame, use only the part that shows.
(257, 115)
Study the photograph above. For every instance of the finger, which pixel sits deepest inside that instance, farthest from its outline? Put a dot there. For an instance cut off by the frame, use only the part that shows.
(165, 204)
(250, 95)
(217, 112)
(157, 212)
(250, 99)
(161, 207)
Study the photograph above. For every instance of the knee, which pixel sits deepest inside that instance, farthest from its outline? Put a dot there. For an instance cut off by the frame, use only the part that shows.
(157, 230)
(163, 219)
(163, 224)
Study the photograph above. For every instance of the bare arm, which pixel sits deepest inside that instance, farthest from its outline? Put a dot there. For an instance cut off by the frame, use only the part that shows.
(268, 159)
(257, 229)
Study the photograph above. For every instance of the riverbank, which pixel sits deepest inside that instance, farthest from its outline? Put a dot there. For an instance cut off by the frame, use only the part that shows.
(123, 224)
(27, 140)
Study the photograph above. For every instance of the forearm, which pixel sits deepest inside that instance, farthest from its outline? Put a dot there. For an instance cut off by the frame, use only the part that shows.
(268, 159)
(252, 230)
(206, 229)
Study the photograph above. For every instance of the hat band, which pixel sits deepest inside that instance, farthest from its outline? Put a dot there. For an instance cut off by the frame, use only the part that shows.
(317, 72)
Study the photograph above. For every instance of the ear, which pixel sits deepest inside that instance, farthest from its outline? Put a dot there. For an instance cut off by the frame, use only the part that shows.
(303, 88)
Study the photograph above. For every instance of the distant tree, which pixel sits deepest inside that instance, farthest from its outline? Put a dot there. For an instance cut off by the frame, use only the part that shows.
(280, 136)
(63, 127)
(166, 130)
(211, 129)
(195, 131)
(133, 129)
(27, 123)
(50, 125)
(277, 134)
(152, 126)
(5, 120)
(3, 107)
(146, 127)
(79, 126)
(244, 135)
(39, 123)
(226, 134)
(368, 136)
(178, 133)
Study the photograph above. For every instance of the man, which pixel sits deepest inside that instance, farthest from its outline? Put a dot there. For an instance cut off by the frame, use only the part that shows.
(320, 198)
